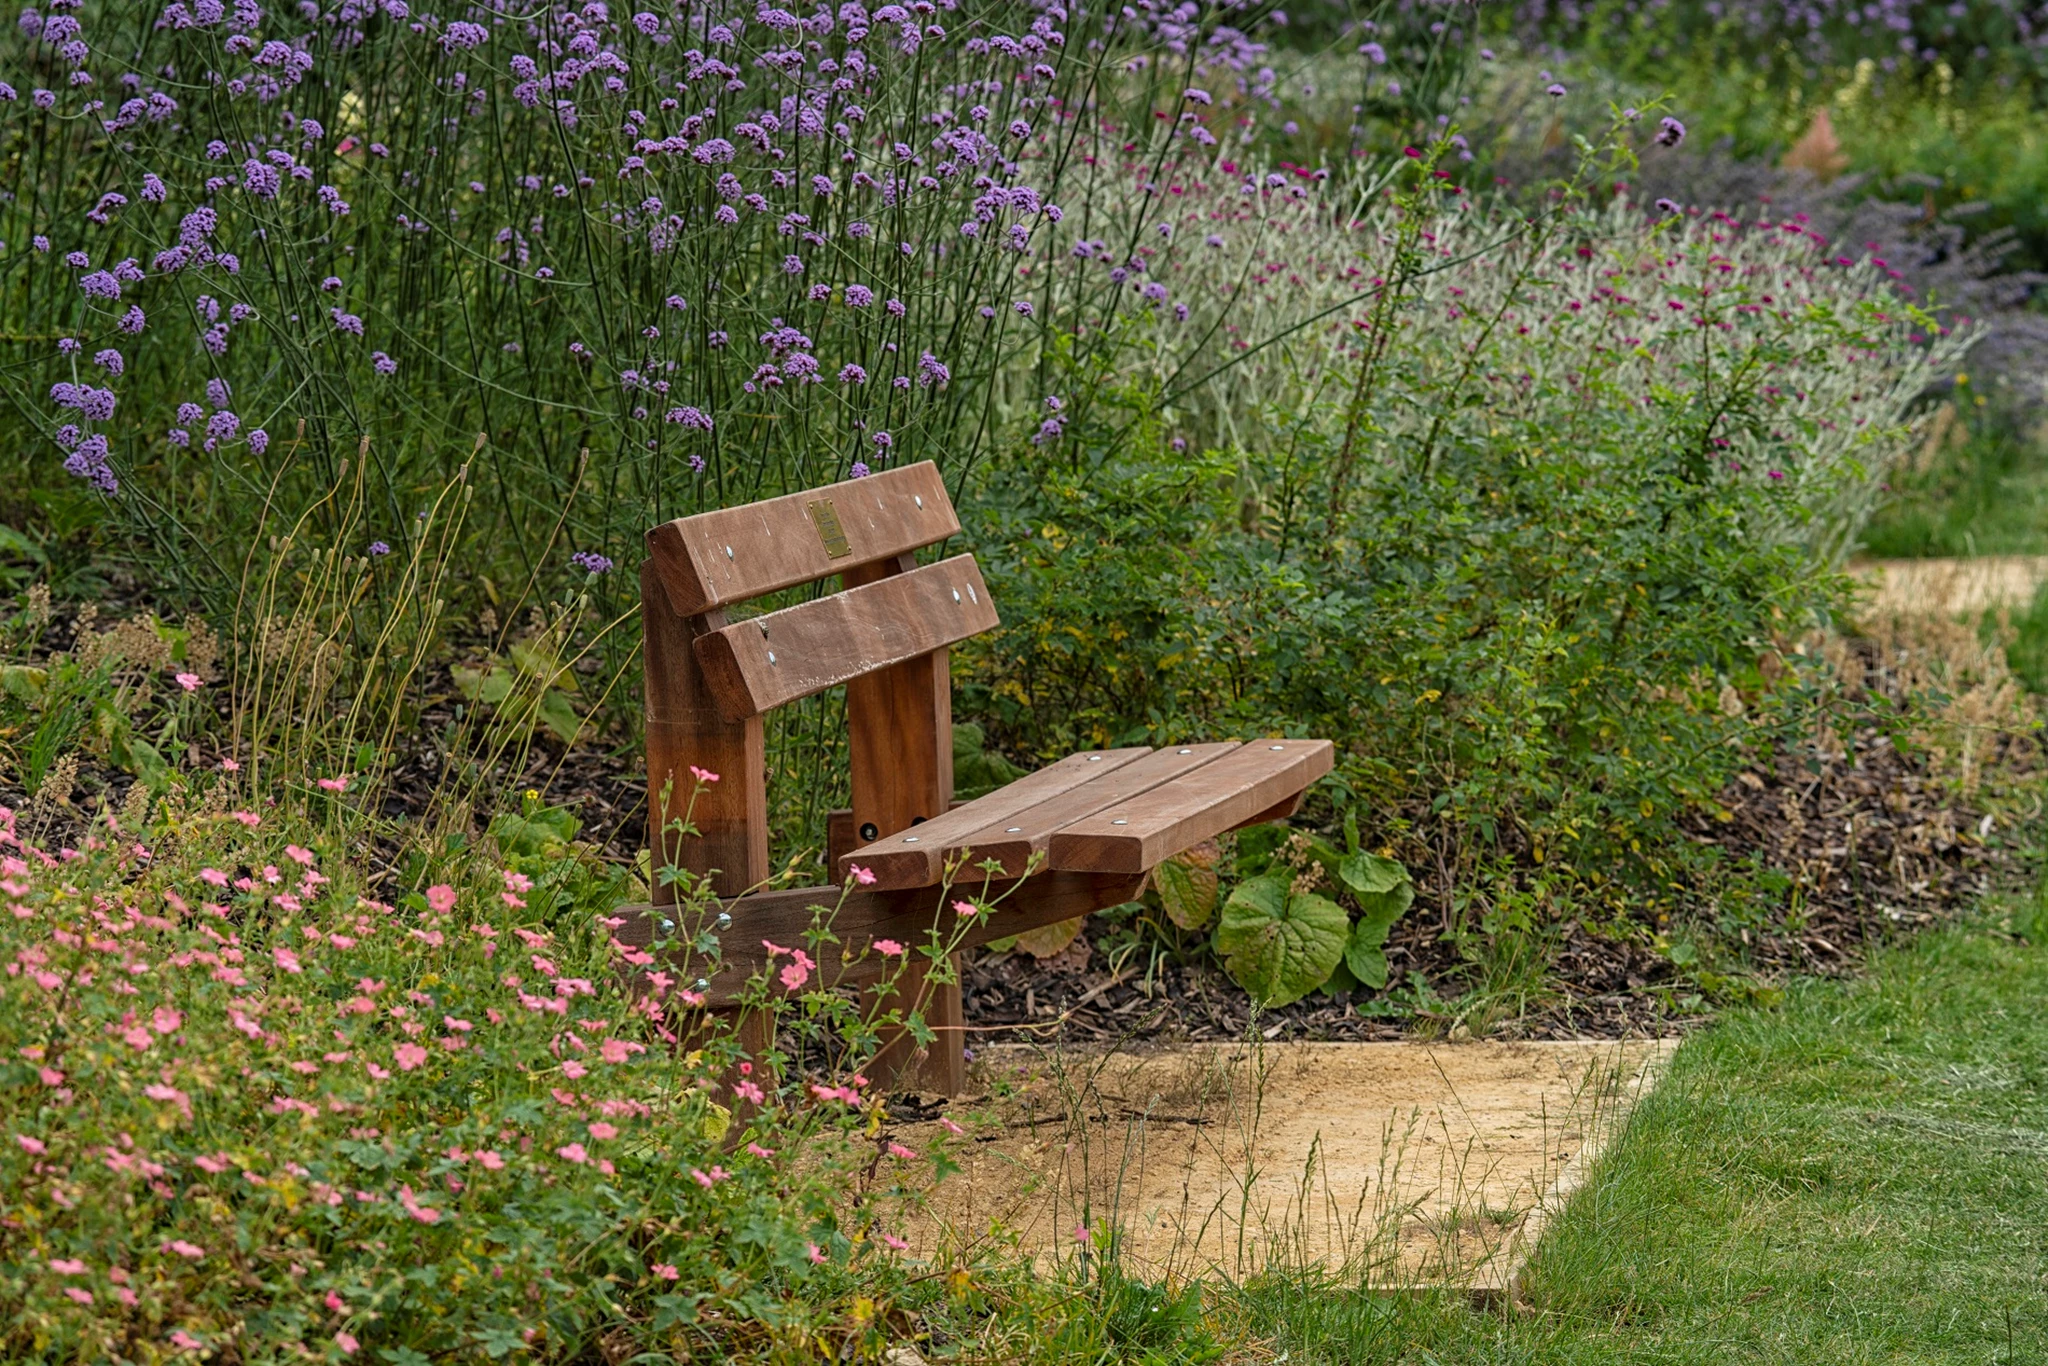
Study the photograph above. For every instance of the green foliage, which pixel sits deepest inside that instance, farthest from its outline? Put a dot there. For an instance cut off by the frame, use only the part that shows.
(1278, 943)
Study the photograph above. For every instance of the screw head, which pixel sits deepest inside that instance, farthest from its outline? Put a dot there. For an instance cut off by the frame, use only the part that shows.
(1015, 829)
(724, 920)
(1276, 747)
(1119, 822)
(917, 498)
(703, 984)
(956, 595)
(667, 924)
(1095, 758)
(728, 552)
(1187, 751)
(771, 660)
(910, 839)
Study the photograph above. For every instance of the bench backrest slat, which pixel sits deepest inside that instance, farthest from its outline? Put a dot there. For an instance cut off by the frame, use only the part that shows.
(734, 554)
(756, 665)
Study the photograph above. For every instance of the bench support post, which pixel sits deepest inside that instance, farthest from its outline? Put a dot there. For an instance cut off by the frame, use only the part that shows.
(900, 733)
(685, 729)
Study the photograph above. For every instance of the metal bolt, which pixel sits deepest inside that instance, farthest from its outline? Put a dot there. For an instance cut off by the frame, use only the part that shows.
(1187, 751)
(1273, 747)
(1095, 758)
(1013, 830)
(1119, 822)
(910, 839)
(771, 660)
(917, 498)
(728, 552)
(956, 595)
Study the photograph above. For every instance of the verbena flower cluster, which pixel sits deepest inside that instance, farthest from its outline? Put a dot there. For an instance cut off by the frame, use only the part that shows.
(728, 248)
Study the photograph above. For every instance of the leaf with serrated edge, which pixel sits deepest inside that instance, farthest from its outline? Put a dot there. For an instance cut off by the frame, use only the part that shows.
(1047, 940)
(1279, 946)
(1188, 887)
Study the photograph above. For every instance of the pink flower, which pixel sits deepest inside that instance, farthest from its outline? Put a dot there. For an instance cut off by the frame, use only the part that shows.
(574, 1070)
(748, 1092)
(286, 959)
(185, 1249)
(50, 1076)
(249, 818)
(888, 948)
(82, 1296)
(213, 877)
(347, 1342)
(1081, 1234)
(665, 1271)
(602, 1131)
(408, 1056)
(164, 1020)
(758, 1151)
(966, 908)
(894, 1243)
(950, 1127)
(817, 1254)
(490, 1161)
(441, 897)
(517, 882)
(335, 784)
(798, 972)
(861, 875)
(230, 766)
(574, 1152)
(216, 1164)
(185, 1342)
(423, 1213)
(189, 682)
(137, 1037)
(335, 1303)
(299, 855)
(703, 775)
(899, 1152)
(701, 1178)
(67, 1266)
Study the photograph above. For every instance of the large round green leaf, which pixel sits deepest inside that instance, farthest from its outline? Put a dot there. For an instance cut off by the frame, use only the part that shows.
(1277, 945)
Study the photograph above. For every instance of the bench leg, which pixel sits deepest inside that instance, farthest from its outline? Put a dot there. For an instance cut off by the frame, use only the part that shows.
(943, 1065)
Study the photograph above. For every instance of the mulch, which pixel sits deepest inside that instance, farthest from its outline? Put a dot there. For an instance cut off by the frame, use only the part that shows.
(1872, 844)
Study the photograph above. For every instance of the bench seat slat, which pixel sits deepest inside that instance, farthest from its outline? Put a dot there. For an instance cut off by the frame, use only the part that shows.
(1137, 835)
(916, 857)
(1014, 840)
(735, 554)
(756, 665)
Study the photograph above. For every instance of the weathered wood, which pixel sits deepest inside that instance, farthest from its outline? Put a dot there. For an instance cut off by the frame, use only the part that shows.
(686, 728)
(1137, 835)
(734, 554)
(899, 730)
(1014, 841)
(909, 918)
(916, 858)
(759, 664)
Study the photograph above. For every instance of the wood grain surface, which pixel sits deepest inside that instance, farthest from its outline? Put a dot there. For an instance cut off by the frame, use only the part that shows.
(1137, 835)
(734, 554)
(756, 665)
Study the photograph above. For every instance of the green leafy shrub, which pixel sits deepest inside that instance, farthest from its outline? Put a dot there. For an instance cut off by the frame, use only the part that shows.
(252, 1112)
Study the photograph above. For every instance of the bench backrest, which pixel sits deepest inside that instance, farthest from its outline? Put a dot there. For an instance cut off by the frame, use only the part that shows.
(885, 635)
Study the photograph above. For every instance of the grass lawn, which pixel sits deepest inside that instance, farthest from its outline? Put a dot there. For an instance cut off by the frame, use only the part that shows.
(1858, 1175)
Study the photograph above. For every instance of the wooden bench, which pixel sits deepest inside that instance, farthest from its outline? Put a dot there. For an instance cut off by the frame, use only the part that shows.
(1082, 834)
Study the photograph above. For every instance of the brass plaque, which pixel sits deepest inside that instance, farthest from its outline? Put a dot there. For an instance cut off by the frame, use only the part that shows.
(826, 518)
